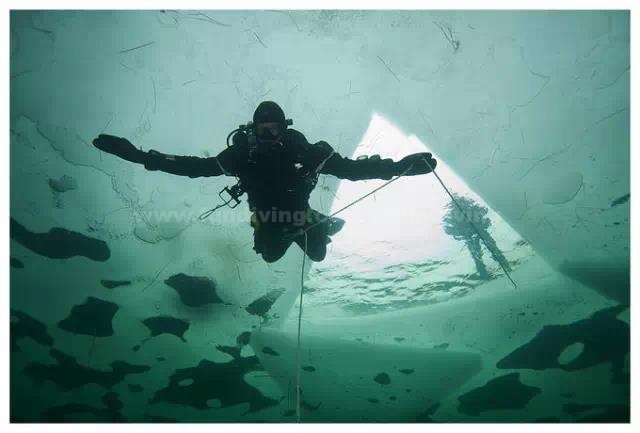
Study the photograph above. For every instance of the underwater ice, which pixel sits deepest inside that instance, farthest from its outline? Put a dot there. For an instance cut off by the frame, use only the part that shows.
(124, 306)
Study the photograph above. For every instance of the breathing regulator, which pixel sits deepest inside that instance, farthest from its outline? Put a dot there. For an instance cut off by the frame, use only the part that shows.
(235, 191)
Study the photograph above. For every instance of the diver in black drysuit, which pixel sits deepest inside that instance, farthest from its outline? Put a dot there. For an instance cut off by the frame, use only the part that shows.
(278, 168)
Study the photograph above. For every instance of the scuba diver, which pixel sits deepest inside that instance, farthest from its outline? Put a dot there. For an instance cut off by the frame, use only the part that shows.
(278, 169)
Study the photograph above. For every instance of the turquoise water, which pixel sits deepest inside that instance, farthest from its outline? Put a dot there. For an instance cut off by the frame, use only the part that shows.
(125, 307)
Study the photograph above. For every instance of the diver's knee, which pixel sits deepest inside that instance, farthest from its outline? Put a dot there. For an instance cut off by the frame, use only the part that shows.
(270, 258)
(273, 254)
(318, 255)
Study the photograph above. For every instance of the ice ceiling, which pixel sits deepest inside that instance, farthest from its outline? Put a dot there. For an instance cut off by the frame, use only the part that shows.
(527, 111)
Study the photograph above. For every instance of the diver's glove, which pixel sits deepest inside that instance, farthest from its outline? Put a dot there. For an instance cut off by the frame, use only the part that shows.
(415, 164)
(120, 147)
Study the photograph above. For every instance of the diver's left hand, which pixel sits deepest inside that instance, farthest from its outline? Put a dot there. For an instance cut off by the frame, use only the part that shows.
(416, 164)
(120, 147)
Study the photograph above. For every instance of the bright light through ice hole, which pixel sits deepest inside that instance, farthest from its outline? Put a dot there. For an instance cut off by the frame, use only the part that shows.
(404, 221)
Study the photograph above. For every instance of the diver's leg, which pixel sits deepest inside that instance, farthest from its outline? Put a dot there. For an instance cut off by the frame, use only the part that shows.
(269, 242)
(273, 254)
(476, 253)
(316, 245)
(496, 254)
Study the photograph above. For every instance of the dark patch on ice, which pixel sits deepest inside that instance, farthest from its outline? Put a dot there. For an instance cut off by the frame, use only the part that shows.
(112, 401)
(441, 346)
(605, 339)
(407, 390)
(620, 200)
(504, 392)
(166, 325)
(308, 406)
(393, 398)
(68, 374)
(135, 388)
(91, 318)
(213, 380)
(399, 339)
(604, 413)
(263, 304)
(112, 284)
(24, 326)
(382, 379)
(64, 184)
(407, 371)
(59, 243)
(161, 358)
(547, 419)
(65, 413)
(309, 368)
(159, 419)
(269, 351)
(16, 263)
(373, 400)
(194, 291)
(233, 351)
(163, 325)
(426, 415)
(243, 338)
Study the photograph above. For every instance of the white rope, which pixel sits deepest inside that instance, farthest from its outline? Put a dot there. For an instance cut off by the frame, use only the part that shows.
(361, 198)
(304, 259)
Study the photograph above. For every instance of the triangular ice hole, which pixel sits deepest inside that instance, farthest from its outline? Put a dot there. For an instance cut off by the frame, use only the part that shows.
(394, 250)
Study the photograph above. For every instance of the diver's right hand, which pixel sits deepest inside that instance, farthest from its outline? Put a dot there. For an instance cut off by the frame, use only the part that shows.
(120, 147)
